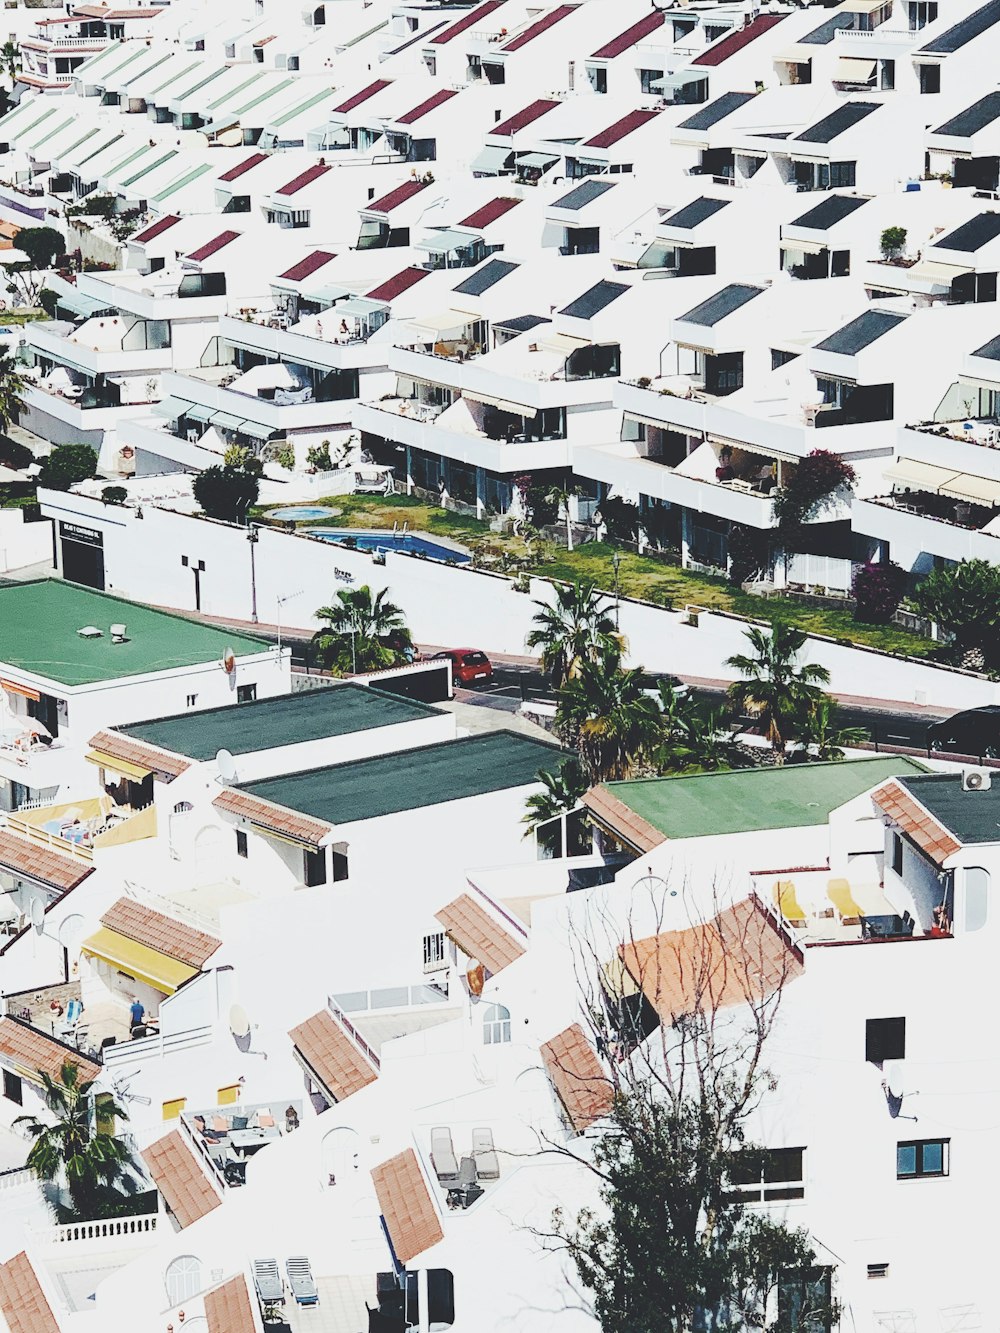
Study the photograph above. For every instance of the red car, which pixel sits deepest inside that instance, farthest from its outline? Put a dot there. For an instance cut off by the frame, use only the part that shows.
(467, 665)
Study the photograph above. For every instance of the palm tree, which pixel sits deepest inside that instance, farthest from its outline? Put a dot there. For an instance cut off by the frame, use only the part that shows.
(604, 713)
(10, 60)
(775, 687)
(562, 793)
(362, 633)
(820, 738)
(560, 495)
(72, 1147)
(577, 628)
(11, 389)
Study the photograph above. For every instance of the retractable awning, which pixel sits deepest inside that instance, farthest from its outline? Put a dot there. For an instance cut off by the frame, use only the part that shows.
(502, 404)
(227, 420)
(492, 158)
(938, 276)
(563, 342)
(360, 307)
(198, 413)
(257, 432)
(847, 70)
(445, 321)
(540, 160)
(26, 692)
(172, 408)
(443, 242)
(138, 961)
(671, 82)
(977, 490)
(806, 247)
(122, 766)
(924, 476)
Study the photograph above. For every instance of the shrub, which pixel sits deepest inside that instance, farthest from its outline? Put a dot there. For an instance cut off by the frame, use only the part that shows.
(47, 299)
(810, 487)
(747, 552)
(319, 457)
(114, 495)
(284, 457)
(892, 241)
(621, 518)
(878, 590)
(40, 244)
(66, 465)
(227, 492)
(965, 601)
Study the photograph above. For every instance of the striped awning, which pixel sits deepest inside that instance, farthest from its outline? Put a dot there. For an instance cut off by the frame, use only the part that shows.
(122, 766)
(136, 960)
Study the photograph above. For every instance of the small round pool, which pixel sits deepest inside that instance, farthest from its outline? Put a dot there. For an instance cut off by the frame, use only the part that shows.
(408, 543)
(303, 513)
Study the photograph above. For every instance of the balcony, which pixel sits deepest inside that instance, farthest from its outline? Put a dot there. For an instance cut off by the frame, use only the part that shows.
(314, 339)
(97, 346)
(224, 1137)
(226, 390)
(78, 827)
(909, 530)
(57, 1012)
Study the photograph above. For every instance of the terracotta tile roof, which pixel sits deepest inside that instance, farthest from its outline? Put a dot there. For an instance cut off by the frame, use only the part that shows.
(305, 268)
(363, 95)
(32, 1050)
(476, 933)
(248, 164)
(482, 217)
(429, 104)
(466, 22)
(228, 1308)
(899, 806)
(387, 202)
(176, 1173)
(736, 41)
(540, 25)
(176, 939)
(22, 1300)
(139, 752)
(213, 246)
(576, 1074)
(44, 864)
(410, 1216)
(521, 119)
(303, 179)
(102, 12)
(735, 958)
(620, 129)
(268, 816)
(157, 228)
(627, 39)
(622, 821)
(263, 41)
(332, 1056)
(397, 285)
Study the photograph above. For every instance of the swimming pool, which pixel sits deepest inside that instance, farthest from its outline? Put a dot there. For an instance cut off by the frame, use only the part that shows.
(410, 543)
(299, 513)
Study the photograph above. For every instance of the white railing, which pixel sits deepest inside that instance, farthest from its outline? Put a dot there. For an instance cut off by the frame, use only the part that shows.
(111, 1227)
(390, 997)
(17, 1176)
(167, 907)
(72, 41)
(352, 1032)
(156, 1046)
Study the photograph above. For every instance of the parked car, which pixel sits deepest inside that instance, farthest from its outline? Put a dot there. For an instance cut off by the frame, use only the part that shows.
(976, 731)
(467, 665)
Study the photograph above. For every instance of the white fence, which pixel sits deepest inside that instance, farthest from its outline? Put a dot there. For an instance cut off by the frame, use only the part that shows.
(819, 571)
(116, 1228)
(155, 1047)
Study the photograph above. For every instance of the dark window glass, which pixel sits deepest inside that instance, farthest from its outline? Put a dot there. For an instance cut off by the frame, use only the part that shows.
(246, 694)
(241, 843)
(12, 1088)
(922, 1157)
(885, 1039)
(314, 868)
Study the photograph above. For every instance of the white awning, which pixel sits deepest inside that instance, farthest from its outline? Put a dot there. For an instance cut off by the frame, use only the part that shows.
(563, 342)
(806, 247)
(171, 408)
(445, 321)
(938, 276)
(977, 490)
(679, 80)
(502, 404)
(797, 54)
(539, 160)
(847, 70)
(862, 6)
(491, 159)
(924, 476)
(444, 242)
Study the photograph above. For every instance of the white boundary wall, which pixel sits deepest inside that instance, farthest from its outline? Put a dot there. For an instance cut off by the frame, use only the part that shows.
(444, 604)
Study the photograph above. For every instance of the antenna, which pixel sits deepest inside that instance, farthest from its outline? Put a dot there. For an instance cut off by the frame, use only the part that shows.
(226, 765)
(228, 660)
(37, 912)
(288, 597)
(242, 1030)
(70, 930)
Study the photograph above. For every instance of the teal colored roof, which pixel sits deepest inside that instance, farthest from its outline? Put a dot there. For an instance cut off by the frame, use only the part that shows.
(38, 633)
(410, 779)
(181, 181)
(286, 719)
(752, 800)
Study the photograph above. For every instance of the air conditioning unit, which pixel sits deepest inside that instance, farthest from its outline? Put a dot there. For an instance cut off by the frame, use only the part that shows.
(976, 779)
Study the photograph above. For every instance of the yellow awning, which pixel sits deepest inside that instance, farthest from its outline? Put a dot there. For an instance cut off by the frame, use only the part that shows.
(618, 980)
(121, 766)
(138, 960)
(978, 490)
(924, 476)
(847, 70)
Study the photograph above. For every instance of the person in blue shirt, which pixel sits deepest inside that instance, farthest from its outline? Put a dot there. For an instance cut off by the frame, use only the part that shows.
(137, 1011)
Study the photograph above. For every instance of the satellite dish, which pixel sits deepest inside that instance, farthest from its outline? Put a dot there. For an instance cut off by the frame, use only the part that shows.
(37, 912)
(228, 660)
(226, 765)
(239, 1021)
(70, 930)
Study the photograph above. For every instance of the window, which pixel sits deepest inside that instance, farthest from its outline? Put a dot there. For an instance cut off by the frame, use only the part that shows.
(930, 78)
(598, 79)
(496, 1025)
(878, 1270)
(12, 1089)
(246, 694)
(241, 843)
(191, 700)
(781, 358)
(897, 854)
(771, 1174)
(842, 175)
(805, 1300)
(173, 1108)
(922, 1157)
(977, 888)
(434, 951)
(922, 13)
(647, 77)
(183, 1279)
(340, 867)
(183, 808)
(314, 868)
(887, 75)
(885, 1039)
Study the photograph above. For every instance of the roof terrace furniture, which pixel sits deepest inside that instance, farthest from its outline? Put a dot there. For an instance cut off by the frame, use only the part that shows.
(267, 1280)
(443, 1158)
(839, 893)
(300, 1279)
(887, 927)
(484, 1155)
(788, 904)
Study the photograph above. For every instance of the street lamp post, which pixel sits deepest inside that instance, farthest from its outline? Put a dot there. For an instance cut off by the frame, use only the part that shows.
(616, 560)
(253, 537)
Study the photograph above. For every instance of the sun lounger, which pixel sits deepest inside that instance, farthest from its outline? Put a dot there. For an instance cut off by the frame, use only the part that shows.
(487, 1162)
(300, 1279)
(788, 904)
(839, 893)
(443, 1158)
(267, 1280)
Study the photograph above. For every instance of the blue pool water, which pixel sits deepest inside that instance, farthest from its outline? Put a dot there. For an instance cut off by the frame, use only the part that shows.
(407, 542)
(299, 512)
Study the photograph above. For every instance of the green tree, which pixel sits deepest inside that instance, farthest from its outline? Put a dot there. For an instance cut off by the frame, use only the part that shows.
(563, 791)
(10, 60)
(775, 687)
(11, 389)
(66, 465)
(704, 742)
(73, 1149)
(561, 495)
(576, 628)
(965, 601)
(362, 632)
(228, 492)
(821, 738)
(606, 716)
(41, 245)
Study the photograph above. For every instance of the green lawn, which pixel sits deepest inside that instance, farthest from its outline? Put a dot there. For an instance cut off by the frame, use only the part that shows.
(639, 576)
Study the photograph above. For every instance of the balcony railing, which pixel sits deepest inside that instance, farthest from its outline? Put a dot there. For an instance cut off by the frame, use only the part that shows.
(111, 1228)
(352, 1032)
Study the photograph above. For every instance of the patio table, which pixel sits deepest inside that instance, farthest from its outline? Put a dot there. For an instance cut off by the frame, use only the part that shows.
(241, 1139)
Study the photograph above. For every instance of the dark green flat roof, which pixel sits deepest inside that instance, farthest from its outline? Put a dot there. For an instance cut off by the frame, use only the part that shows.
(286, 719)
(38, 633)
(972, 816)
(749, 800)
(410, 779)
